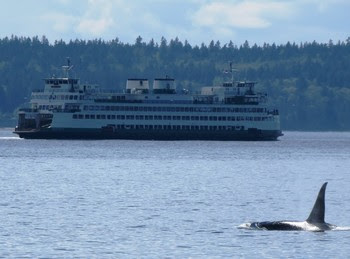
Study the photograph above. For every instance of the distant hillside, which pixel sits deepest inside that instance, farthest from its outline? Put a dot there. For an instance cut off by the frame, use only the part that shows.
(308, 82)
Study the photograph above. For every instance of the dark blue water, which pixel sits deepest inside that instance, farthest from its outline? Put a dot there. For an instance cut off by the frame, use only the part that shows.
(171, 199)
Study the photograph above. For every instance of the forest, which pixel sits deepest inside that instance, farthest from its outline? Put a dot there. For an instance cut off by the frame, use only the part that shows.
(309, 82)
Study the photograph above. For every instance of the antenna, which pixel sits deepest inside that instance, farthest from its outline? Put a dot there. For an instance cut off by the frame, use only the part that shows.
(231, 71)
(67, 68)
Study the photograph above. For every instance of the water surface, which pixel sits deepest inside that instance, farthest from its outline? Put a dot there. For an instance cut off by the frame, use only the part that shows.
(125, 198)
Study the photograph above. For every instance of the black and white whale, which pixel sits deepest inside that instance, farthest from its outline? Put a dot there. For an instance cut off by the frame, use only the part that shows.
(315, 221)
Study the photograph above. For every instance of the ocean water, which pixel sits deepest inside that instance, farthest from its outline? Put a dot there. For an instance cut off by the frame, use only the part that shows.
(177, 199)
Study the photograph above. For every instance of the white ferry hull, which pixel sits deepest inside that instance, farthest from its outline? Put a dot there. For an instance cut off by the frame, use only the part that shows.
(66, 109)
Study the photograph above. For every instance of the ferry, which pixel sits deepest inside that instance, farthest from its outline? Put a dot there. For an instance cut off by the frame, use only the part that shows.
(145, 110)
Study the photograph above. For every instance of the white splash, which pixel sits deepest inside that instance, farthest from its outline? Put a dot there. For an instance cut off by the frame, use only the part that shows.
(9, 138)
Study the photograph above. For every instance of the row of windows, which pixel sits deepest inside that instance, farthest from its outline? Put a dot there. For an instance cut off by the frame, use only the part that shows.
(61, 81)
(49, 107)
(58, 97)
(172, 109)
(178, 127)
(160, 117)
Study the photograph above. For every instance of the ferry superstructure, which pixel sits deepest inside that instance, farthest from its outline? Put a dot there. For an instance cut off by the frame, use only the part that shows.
(67, 109)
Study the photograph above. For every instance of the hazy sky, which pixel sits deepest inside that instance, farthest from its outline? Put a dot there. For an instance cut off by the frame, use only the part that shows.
(197, 21)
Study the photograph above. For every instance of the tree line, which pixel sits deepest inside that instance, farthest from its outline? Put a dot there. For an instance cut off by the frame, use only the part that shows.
(309, 82)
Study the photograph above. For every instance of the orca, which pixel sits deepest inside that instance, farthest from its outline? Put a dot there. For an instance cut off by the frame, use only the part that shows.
(315, 221)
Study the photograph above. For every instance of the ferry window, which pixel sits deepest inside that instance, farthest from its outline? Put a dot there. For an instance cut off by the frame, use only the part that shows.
(113, 117)
(103, 117)
(108, 117)
(71, 97)
(87, 116)
(80, 116)
(92, 116)
(97, 108)
(98, 116)
(102, 108)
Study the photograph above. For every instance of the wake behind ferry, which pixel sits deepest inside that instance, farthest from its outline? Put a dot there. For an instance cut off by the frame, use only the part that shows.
(67, 109)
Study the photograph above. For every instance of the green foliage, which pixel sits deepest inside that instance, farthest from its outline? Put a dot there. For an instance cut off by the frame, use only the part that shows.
(308, 82)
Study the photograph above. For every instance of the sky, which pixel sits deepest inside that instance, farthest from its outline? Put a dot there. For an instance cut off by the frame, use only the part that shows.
(197, 21)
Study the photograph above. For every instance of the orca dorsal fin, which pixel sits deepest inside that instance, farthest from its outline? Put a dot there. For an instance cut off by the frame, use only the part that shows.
(317, 213)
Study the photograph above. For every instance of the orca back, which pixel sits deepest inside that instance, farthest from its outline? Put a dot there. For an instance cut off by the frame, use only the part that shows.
(317, 214)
